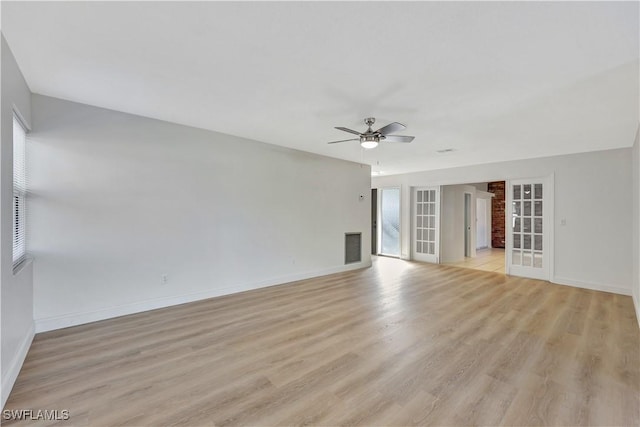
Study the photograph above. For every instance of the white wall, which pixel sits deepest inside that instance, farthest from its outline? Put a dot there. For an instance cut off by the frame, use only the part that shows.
(17, 289)
(593, 249)
(452, 222)
(636, 224)
(483, 219)
(119, 200)
(481, 186)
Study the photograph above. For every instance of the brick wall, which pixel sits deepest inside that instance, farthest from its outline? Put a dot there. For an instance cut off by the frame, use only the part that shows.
(497, 213)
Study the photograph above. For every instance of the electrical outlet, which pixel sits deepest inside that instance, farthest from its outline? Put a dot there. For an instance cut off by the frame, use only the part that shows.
(164, 279)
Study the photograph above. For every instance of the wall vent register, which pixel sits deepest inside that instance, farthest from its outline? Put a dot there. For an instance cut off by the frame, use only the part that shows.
(352, 247)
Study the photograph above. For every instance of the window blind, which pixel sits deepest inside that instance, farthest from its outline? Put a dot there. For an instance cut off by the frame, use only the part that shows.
(19, 192)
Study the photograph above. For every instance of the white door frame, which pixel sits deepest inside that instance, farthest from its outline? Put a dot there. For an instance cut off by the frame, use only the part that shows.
(547, 272)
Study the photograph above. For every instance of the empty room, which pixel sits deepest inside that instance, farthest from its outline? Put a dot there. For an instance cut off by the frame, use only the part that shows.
(320, 213)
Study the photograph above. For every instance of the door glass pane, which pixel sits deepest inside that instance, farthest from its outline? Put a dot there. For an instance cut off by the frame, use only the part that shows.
(537, 225)
(390, 218)
(516, 241)
(420, 196)
(526, 225)
(526, 189)
(526, 241)
(537, 260)
(419, 247)
(537, 209)
(517, 195)
(537, 191)
(432, 248)
(527, 209)
(516, 225)
(516, 209)
(526, 259)
(537, 242)
(516, 258)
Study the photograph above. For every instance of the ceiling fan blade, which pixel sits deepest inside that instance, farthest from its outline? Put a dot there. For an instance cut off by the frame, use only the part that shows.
(390, 128)
(348, 130)
(343, 140)
(398, 138)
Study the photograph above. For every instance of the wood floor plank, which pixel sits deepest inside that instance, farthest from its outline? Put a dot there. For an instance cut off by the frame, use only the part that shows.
(401, 343)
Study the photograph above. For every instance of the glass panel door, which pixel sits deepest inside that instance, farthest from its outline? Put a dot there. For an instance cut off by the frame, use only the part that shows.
(390, 221)
(426, 224)
(528, 243)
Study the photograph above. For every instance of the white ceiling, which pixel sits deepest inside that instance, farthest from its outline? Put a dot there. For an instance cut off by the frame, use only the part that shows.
(494, 81)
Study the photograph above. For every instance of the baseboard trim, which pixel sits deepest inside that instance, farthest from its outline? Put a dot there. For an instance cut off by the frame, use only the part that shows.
(74, 319)
(593, 286)
(10, 377)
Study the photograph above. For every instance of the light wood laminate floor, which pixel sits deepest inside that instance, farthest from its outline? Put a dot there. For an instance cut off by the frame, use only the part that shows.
(398, 344)
(489, 259)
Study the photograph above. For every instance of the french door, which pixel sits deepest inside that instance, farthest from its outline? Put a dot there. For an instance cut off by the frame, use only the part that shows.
(426, 224)
(528, 222)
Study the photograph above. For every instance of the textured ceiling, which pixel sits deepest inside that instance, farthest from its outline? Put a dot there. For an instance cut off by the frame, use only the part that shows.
(493, 81)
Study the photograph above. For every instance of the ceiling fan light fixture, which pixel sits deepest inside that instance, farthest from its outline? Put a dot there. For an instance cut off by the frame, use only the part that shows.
(369, 142)
(371, 138)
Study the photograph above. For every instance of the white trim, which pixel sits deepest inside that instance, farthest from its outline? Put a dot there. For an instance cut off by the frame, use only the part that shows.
(593, 286)
(9, 378)
(74, 319)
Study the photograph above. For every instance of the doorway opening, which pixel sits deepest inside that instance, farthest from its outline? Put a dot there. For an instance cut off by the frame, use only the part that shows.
(374, 221)
(467, 225)
(473, 229)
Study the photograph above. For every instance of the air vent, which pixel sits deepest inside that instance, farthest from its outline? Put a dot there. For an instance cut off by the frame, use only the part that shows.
(352, 247)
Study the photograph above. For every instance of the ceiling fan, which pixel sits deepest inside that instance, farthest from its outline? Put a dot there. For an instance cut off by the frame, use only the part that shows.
(371, 138)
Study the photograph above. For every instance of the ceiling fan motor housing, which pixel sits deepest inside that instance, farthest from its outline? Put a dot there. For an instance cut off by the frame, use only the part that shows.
(369, 138)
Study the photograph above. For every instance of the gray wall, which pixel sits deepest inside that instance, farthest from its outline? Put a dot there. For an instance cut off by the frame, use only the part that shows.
(17, 287)
(119, 200)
